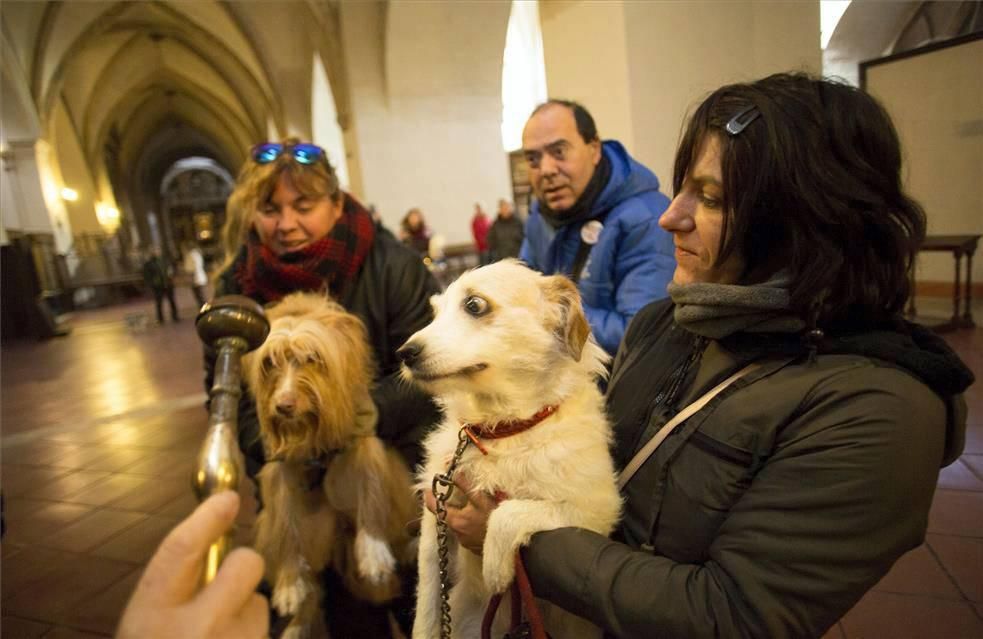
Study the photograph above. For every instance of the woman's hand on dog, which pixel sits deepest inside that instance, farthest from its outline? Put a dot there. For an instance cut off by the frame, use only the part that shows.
(468, 520)
(167, 602)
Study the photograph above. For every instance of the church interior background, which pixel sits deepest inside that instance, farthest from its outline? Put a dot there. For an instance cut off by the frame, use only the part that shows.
(123, 127)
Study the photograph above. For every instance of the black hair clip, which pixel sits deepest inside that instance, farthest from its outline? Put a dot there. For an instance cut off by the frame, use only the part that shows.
(736, 125)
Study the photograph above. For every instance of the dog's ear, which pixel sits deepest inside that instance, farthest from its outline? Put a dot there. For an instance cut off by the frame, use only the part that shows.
(572, 328)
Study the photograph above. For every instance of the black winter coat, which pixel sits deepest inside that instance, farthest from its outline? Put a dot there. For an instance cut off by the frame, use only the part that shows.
(505, 237)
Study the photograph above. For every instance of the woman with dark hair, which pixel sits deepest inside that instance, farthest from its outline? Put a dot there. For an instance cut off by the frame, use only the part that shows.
(770, 508)
(289, 227)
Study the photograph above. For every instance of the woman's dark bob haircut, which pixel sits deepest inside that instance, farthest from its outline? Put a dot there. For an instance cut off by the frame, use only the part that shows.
(812, 185)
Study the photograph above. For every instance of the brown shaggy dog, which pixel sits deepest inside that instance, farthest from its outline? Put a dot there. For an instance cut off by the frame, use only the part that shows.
(333, 494)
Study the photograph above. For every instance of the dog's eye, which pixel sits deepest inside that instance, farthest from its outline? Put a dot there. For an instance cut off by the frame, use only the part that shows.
(476, 306)
(267, 364)
(315, 359)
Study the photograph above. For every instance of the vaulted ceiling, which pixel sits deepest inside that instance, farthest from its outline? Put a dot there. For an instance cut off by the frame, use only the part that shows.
(139, 85)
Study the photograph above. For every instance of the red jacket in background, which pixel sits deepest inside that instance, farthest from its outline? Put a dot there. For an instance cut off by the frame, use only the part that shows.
(479, 228)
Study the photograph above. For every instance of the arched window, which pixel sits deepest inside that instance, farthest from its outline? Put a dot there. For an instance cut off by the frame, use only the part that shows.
(523, 71)
(830, 12)
(324, 122)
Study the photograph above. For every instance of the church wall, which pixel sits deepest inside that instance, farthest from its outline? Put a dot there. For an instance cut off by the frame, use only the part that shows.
(640, 67)
(427, 109)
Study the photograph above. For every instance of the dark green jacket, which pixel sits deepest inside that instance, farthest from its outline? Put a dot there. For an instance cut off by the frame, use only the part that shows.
(771, 511)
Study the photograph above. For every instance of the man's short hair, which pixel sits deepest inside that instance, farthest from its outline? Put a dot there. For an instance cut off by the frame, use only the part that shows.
(585, 122)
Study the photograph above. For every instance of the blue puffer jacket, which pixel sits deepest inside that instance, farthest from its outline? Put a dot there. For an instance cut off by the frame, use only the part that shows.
(632, 262)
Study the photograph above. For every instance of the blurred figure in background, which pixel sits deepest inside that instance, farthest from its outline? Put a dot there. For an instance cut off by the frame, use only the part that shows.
(506, 233)
(194, 265)
(158, 275)
(479, 229)
(414, 233)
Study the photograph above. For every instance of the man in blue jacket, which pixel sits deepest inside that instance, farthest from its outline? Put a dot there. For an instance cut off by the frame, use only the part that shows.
(595, 218)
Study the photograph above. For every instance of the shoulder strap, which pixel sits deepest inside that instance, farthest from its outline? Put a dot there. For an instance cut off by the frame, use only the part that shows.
(646, 451)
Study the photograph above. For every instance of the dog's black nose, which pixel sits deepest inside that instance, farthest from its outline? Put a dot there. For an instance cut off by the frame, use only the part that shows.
(409, 353)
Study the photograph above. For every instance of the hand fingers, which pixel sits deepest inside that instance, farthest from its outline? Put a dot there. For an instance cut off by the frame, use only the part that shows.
(252, 622)
(173, 572)
(430, 501)
(255, 618)
(234, 585)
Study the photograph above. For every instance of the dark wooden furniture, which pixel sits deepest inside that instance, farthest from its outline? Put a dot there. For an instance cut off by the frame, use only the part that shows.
(962, 294)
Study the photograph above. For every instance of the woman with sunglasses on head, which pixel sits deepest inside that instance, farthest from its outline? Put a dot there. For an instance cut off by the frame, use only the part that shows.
(778, 503)
(291, 228)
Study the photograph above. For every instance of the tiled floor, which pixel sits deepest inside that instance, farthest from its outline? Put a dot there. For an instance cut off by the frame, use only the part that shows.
(99, 433)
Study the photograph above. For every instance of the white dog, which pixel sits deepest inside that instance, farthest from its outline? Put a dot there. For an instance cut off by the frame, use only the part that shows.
(507, 344)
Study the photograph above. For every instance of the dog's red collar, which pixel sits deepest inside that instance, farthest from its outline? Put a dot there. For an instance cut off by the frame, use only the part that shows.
(506, 428)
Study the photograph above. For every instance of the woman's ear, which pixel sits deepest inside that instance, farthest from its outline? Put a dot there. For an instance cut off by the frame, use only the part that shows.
(571, 327)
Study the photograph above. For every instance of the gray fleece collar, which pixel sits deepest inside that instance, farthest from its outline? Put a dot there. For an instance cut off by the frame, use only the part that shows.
(719, 310)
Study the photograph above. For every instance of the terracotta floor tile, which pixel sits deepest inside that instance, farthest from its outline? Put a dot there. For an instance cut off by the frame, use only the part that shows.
(153, 495)
(40, 523)
(164, 463)
(80, 436)
(81, 456)
(56, 596)
(17, 628)
(137, 544)
(93, 530)
(180, 507)
(39, 452)
(887, 615)
(25, 570)
(958, 476)
(962, 557)
(101, 612)
(18, 479)
(65, 486)
(918, 573)
(17, 508)
(117, 460)
(111, 489)
(836, 632)
(956, 513)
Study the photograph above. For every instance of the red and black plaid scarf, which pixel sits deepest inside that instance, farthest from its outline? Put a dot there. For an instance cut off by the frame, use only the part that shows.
(328, 263)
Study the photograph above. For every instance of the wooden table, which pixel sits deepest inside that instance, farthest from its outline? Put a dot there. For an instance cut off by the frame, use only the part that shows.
(959, 246)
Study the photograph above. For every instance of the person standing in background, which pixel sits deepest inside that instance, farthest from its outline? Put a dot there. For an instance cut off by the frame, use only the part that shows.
(506, 233)
(194, 264)
(158, 274)
(595, 218)
(479, 229)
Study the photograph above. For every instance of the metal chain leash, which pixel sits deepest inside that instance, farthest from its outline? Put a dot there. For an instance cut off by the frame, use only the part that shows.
(443, 486)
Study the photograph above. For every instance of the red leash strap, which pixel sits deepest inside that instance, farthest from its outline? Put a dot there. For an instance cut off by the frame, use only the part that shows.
(522, 597)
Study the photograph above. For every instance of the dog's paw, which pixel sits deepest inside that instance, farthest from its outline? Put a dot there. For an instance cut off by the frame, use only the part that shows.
(289, 595)
(498, 575)
(373, 557)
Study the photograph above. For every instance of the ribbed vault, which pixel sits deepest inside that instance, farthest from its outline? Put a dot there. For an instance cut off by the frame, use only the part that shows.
(128, 88)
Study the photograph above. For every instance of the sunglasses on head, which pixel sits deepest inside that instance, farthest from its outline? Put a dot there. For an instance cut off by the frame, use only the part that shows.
(303, 153)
